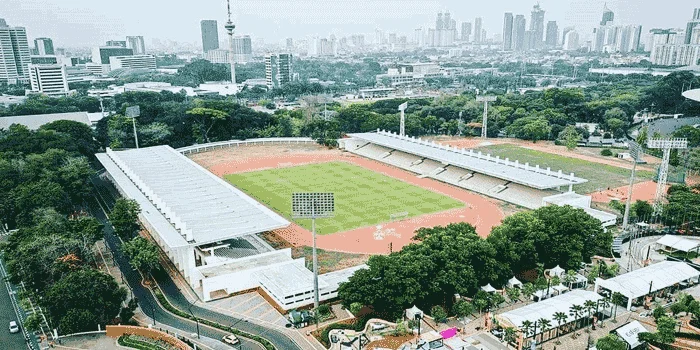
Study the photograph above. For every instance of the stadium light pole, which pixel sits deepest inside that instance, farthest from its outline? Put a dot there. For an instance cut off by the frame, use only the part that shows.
(484, 123)
(636, 152)
(313, 205)
(402, 127)
(134, 112)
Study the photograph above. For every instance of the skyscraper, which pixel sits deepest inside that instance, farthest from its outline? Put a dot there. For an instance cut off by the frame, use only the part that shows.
(439, 22)
(278, 69)
(508, 31)
(242, 49)
(608, 16)
(477, 30)
(43, 46)
(210, 35)
(637, 38)
(692, 24)
(466, 31)
(571, 40)
(536, 27)
(14, 54)
(519, 25)
(552, 37)
(137, 44)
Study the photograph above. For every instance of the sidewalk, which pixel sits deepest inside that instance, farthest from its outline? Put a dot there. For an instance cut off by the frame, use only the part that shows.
(202, 343)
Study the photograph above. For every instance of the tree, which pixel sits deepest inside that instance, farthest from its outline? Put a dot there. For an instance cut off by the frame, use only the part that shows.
(570, 278)
(560, 317)
(616, 126)
(570, 136)
(576, 311)
(143, 254)
(355, 308)
(526, 326)
(606, 152)
(528, 290)
(617, 299)
(462, 309)
(611, 342)
(83, 299)
(127, 312)
(531, 128)
(666, 330)
(125, 218)
(545, 324)
(438, 313)
(642, 209)
(204, 119)
(513, 294)
(509, 335)
(590, 305)
(658, 312)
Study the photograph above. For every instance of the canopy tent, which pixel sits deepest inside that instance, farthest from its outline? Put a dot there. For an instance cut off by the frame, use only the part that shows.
(560, 288)
(630, 333)
(556, 271)
(514, 282)
(488, 288)
(676, 243)
(412, 312)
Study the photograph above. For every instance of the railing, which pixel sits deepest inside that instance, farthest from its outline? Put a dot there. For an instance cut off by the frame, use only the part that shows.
(237, 143)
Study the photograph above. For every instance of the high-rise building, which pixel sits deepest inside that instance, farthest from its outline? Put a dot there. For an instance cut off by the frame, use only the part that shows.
(14, 54)
(101, 55)
(439, 22)
(289, 44)
(552, 37)
(116, 43)
(571, 40)
(508, 31)
(637, 38)
(466, 31)
(519, 25)
(242, 49)
(668, 48)
(48, 79)
(564, 32)
(477, 30)
(210, 35)
(44, 46)
(137, 44)
(536, 27)
(692, 24)
(278, 69)
(608, 16)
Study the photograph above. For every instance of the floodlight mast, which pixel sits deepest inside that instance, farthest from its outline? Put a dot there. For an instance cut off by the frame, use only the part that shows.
(402, 108)
(484, 123)
(636, 152)
(666, 145)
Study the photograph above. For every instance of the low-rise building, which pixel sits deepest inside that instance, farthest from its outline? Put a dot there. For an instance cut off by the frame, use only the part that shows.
(48, 79)
(132, 62)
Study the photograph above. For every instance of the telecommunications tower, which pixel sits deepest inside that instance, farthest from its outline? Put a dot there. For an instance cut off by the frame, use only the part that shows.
(229, 28)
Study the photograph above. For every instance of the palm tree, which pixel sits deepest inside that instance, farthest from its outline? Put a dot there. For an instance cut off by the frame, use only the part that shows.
(560, 317)
(617, 299)
(576, 311)
(528, 290)
(589, 305)
(604, 303)
(544, 325)
(570, 278)
(526, 326)
(509, 335)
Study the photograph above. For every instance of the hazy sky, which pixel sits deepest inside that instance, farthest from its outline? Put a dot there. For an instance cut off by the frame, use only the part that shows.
(74, 23)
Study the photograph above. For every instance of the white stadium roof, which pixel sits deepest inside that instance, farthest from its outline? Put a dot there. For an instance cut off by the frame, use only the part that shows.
(35, 121)
(200, 206)
(692, 94)
(524, 174)
(641, 282)
(678, 243)
(547, 308)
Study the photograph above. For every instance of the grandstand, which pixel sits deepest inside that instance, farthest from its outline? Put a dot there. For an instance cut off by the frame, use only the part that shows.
(209, 228)
(511, 181)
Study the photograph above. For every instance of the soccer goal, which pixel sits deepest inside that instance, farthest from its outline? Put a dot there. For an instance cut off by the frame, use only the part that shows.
(398, 216)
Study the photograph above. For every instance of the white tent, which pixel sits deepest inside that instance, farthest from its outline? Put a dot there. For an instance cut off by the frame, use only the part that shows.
(676, 243)
(513, 283)
(630, 333)
(556, 271)
(412, 312)
(488, 288)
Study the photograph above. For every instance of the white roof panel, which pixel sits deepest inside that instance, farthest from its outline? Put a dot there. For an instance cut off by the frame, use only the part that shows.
(638, 283)
(35, 121)
(531, 176)
(630, 333)
(678, 243)
(202, 206)
(548, 307)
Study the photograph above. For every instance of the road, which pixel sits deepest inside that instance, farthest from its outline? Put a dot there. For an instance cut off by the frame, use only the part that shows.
(9, 313)
(150, 306)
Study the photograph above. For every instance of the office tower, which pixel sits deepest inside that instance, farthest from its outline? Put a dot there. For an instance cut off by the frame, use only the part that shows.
(379, 37)
(210, 35)
(477, 30)
(536, 27)
(692, 24)
(242, 49)
(101, 55)
(48, 79)
(695, 37)
(439, 22)
(508, 31)
(466, 31)
(137, 44)
(608, 16)
(43, 46)
(552, 37)
(637, 38)
(278, 69)
(14, 54)
(290, 44)
(571, 40)
(116, 43)
(519, 25)
(36, 59)
(528, 41)
(447, 21)
(132, 62)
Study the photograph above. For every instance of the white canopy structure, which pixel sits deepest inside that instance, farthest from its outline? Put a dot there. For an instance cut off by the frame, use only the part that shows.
(514, 283)
(556, 271)
(677, 243)
(649, 279)
(413, 312)
(488, 288)
(692, 94)
(546, 309)
(630, 333)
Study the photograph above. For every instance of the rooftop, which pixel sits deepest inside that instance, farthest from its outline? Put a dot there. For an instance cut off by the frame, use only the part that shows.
(547, 308)
(201, 206)
(35, 121)
(658, 276)
(524, 174)
(678, 243)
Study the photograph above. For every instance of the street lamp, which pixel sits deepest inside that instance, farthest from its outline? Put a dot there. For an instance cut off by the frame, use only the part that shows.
(189, 306)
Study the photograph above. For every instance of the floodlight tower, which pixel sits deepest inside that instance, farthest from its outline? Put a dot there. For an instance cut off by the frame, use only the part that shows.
(402, 108)
(666, 145)
(484, 124)
(229, 28)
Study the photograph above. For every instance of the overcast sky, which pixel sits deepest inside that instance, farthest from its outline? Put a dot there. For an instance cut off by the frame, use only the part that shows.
(75, 23)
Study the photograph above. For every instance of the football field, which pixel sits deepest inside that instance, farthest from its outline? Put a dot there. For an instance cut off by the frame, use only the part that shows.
(362, 197)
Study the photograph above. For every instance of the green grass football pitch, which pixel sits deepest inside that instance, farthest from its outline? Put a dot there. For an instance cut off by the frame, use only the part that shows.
(599, 176)
(362, 197)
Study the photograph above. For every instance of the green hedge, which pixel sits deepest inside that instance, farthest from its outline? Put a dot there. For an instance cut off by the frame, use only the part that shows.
(127, 341)
(166, 304)
(685, 335)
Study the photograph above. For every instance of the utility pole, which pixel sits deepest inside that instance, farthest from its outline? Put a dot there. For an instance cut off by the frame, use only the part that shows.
(484, 123)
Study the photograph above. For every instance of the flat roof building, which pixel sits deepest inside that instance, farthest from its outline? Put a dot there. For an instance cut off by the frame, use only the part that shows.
(47, 79)
(35, 121)
(132, 62)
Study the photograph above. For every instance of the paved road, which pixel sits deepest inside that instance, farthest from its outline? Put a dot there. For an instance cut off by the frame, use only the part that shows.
(148, 303)
(8, 313)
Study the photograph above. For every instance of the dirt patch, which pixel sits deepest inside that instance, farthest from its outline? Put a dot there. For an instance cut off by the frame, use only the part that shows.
(390, 342)
(482, 212)
(645, 191)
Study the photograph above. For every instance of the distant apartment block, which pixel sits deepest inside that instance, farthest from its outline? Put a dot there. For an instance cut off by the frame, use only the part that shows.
(210, 35)
(278, 70)
(49, 79)
(132, 62)
(44, 47)
(14, 54)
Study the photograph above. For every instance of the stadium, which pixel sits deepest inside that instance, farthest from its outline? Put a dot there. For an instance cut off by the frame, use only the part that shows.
(222, 211)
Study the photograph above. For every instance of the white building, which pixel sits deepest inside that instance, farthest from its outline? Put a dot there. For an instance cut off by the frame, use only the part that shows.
(208, 228)
(101, 55)
(132, 62)
(409, 74)
(14, 54)
(137, 44)
(278, 69)
(48, 79)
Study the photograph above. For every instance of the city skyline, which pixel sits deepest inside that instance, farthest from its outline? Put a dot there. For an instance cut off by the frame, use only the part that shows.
(80, 23)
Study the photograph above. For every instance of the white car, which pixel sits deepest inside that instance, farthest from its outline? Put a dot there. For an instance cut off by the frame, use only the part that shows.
(231, 340)
(14, 328)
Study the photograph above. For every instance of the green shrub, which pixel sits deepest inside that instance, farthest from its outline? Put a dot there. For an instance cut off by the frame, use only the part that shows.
(324, 309)
(606, 152)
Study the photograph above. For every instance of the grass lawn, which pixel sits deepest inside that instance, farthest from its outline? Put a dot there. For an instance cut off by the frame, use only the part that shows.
(599, 176)
(362, 197)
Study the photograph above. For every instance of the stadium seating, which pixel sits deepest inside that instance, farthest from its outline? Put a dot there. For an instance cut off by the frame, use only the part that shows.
(372, 151)
(524, 196)
(401, 159)
(426, 167)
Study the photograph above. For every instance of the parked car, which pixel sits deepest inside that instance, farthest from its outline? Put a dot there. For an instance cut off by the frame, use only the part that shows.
(231, 339)
(14, 328)
(497, 332)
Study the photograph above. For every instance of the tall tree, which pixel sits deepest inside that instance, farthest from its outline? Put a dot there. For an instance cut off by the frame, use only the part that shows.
(143, 254)
(125, 218)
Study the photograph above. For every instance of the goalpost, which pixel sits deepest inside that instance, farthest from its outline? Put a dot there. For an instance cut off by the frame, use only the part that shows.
(398, 216)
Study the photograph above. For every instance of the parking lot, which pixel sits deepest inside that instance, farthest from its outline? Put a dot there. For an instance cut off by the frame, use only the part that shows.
(250, 305)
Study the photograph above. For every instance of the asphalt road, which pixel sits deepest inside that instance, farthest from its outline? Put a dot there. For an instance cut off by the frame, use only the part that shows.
(7, 314)
(150, 306)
